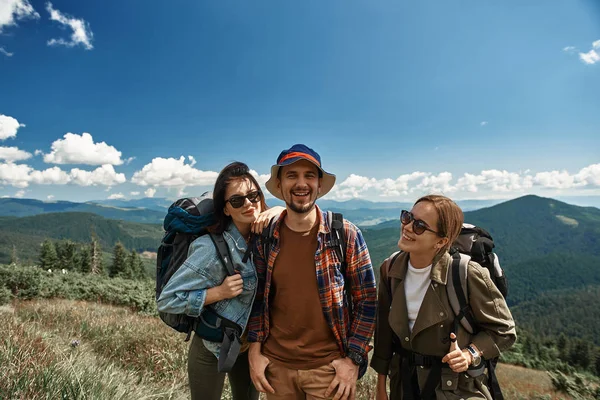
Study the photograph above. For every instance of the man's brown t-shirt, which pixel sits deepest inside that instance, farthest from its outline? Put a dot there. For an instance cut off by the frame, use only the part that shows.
(299, 336)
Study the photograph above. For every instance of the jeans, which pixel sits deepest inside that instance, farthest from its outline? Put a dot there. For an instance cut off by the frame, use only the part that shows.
(206, 383)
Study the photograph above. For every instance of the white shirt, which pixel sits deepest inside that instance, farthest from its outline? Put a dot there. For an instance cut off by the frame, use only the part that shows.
(415, 286)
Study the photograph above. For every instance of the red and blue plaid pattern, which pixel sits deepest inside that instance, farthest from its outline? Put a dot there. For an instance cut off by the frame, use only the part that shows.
(351, 333)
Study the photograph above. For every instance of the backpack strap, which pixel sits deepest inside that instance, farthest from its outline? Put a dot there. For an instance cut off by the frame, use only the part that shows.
(223, 252)
(231, 344)
(338, 237)
(338, 242)
(267, 238)
(385, 271)
(458, 292)
(230, 349)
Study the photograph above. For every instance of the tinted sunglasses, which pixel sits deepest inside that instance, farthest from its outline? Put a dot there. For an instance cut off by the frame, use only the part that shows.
(419, 226)
(237, 200)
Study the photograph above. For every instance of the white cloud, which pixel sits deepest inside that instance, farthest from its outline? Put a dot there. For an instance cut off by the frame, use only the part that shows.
(569, 49)
(172, 172)
(50, 176)
(591, 57)
(82, 34)
(104, 175)
(6, 52)
(129, 160)
(22, 175)
(261, 179)
(16, 175)
(493, 180)
(150, 192)
(436, 184)
(20, 194)
(589, 175)
(554, 179)
(12, 11)
(50, 197)
(483, 123)
(355, 186)
(38, 152)
(11, 154)
(116, 196)
(9, 127)
(134, 193)
(76, 149)
(497, 183)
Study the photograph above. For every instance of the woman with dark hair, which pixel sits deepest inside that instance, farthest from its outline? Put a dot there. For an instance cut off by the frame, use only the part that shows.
(417, 343)
(202, 280)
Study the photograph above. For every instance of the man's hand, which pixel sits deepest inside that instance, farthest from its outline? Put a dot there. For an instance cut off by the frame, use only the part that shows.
(346, 375)
(258, 365)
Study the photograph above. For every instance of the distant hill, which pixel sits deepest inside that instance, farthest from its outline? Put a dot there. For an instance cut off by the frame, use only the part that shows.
(26, 207)
(543, 244)
(151, 203)
(574, 312)
(27, 233)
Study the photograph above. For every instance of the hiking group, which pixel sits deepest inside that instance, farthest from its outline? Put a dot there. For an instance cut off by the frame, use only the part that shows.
(284, 300)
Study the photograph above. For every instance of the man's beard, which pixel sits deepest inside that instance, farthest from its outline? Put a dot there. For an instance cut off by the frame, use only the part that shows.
(300, 209)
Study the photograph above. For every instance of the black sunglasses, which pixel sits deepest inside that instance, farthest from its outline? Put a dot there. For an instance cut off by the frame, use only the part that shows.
(237, 200)
(419, 226)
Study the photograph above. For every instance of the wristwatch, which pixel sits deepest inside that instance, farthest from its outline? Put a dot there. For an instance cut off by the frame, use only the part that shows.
(356, 358)
(476, 356)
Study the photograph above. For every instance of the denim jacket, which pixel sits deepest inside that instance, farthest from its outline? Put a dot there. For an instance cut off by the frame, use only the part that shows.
(185, 292)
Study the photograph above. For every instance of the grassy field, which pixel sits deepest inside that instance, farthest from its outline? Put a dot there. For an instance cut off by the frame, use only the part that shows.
(63, 349)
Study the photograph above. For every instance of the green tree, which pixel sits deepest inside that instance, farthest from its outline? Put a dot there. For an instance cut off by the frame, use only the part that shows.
(581, 354)
(136, 266)
(66, 251)
(562, 345)
(48, 257)
(119, 265)
(85, 259)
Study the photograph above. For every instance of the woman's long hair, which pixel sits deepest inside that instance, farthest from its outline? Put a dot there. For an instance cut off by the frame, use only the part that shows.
(235, 170)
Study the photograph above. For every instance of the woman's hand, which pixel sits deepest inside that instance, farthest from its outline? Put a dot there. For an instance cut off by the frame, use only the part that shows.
(231, 287)
(458, 360)
(381, 388)
(263, 219)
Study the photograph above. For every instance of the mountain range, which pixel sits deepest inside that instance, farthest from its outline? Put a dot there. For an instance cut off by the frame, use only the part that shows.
(550, 250)
(153, 210)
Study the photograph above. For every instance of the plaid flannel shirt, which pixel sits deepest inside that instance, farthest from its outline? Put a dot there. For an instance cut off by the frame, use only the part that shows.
(351, 333)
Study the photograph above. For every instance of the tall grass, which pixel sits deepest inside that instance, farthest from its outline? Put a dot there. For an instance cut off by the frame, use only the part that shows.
(65, 349)
(69, 350)
(76, 336)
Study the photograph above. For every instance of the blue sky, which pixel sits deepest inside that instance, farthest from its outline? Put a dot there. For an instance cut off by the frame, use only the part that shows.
(474, 99)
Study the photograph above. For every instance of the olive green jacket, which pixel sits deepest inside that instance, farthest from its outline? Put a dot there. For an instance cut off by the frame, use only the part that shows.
(435, 320)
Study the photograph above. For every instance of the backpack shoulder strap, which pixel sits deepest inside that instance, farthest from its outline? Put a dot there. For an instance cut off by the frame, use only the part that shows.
(267, 238)
(458, 294)
(384, 272)
(338, 237)
(223, 252)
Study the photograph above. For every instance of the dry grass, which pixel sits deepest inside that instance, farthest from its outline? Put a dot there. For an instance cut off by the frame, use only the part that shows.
(123, 355)
(522, 383)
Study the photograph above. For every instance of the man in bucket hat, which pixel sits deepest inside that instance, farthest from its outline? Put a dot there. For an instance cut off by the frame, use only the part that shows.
(304, 342)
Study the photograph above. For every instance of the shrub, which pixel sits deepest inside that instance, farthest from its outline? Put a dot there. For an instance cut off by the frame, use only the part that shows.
(5, 296)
